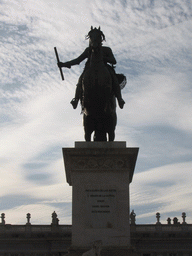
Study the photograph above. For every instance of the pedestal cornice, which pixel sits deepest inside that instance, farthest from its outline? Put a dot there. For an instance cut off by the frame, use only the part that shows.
(99, 157)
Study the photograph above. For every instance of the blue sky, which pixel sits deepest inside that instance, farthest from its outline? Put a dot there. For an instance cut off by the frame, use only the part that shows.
(151, 41)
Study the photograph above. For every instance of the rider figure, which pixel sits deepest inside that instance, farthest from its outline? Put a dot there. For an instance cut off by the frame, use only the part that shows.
(108, 57)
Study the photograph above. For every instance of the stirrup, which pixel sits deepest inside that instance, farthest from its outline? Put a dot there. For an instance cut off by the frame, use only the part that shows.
(74, 103)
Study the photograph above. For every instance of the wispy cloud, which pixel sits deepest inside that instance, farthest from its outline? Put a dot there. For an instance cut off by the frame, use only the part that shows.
(167, 187)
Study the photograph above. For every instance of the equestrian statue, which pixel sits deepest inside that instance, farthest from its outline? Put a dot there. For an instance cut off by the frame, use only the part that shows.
(97, 88)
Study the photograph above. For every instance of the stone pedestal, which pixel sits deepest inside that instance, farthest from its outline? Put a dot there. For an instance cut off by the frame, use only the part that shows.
(100, 174)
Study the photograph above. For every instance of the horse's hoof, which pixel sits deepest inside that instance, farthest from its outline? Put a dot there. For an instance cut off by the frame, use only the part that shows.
(74, 103)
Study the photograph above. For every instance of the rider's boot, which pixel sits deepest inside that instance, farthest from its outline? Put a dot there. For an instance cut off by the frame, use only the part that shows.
(121, 102)
(74, 102)
(117, 91)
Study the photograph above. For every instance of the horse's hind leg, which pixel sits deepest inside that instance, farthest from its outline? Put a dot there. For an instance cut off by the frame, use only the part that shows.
(111, 124)
(88, 127)
(88, 133)
(87, 136)
(100, 136)
(111, 135)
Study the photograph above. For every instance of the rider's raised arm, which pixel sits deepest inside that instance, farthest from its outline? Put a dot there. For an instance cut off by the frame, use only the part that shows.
(76, 61)
(108, 56)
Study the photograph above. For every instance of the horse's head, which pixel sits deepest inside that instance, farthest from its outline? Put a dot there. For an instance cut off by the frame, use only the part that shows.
(96, 37)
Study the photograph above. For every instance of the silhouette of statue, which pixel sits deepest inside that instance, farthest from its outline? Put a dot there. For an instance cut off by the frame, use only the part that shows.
(28, 216)
(55, 220)
(97, 88)
(133, 217)
(2, 219)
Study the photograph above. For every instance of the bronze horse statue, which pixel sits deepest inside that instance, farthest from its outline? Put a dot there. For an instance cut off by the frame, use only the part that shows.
(97, 88)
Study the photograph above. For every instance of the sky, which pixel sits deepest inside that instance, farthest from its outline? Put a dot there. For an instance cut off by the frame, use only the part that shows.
(151, 41)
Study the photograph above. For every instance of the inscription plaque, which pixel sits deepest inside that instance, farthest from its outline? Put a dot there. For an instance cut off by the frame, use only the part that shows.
(101, 208)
